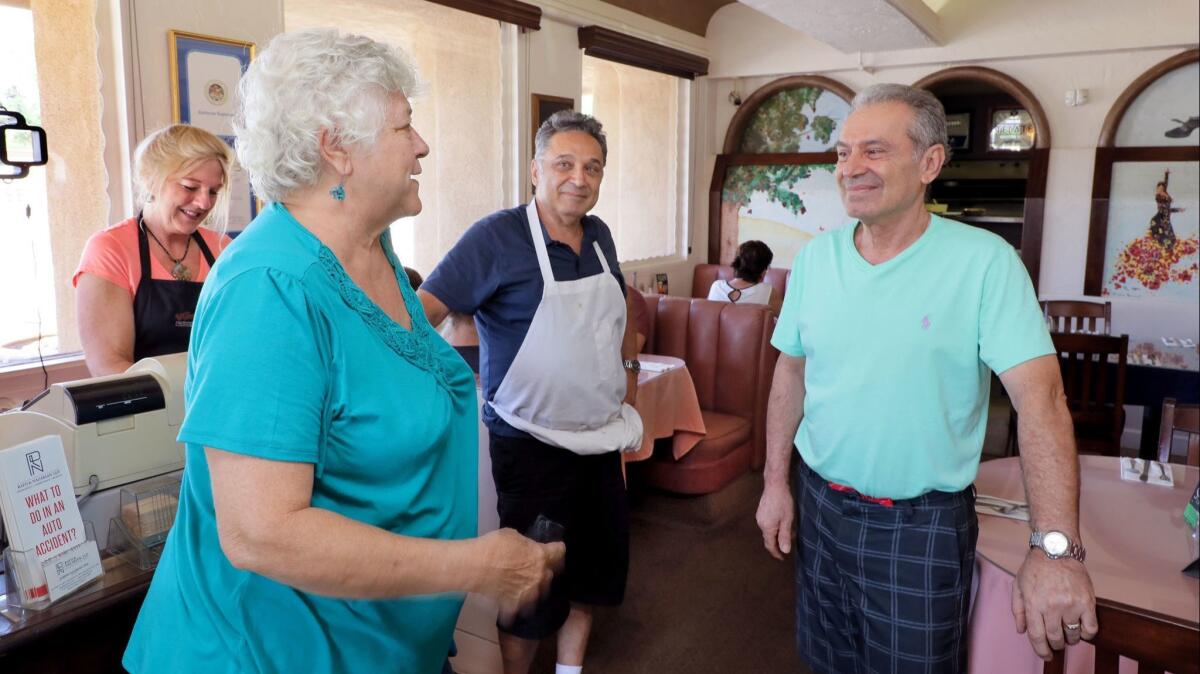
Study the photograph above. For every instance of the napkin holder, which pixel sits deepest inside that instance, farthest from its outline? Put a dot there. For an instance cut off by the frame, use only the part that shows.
(147, 512)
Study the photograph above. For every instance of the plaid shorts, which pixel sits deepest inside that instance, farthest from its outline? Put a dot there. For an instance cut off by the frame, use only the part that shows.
(879, 588)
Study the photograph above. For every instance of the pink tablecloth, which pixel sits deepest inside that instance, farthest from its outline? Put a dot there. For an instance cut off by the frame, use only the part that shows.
(1137, 544)
(669, 408)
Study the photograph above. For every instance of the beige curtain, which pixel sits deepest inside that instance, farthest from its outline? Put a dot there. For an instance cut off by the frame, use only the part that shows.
(639, 196)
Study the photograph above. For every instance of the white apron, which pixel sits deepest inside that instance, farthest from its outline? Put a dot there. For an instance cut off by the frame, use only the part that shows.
(566, 383)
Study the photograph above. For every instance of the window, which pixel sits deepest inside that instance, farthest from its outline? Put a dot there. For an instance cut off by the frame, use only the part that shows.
(24, 241)
(458, 57)
(644, 194)
(51, 75)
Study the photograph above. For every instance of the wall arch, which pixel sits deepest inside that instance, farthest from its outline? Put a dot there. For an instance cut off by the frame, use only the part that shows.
(778, 164)
(1001, 81)
(750, 106)
(1109, 153)
(1112, 121)
(1039, 155)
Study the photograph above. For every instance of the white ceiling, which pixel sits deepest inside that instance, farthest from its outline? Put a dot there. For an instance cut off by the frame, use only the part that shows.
(859, 25)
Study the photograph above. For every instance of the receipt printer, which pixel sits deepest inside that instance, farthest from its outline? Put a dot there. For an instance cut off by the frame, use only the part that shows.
(118, 428)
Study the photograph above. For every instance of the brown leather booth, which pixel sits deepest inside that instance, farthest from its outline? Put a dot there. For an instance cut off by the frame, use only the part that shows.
(728, 353)
(706, 274)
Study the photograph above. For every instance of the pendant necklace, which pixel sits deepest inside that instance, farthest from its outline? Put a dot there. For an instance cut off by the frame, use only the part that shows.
(179, 272)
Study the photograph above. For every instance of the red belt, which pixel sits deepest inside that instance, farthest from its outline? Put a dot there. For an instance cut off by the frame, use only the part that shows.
(885, 502)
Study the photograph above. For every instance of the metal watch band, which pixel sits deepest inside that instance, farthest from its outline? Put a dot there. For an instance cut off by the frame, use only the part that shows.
(634, 365)
(1074, 550)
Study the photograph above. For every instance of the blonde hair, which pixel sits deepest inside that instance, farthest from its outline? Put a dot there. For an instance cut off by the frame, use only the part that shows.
(177, 149)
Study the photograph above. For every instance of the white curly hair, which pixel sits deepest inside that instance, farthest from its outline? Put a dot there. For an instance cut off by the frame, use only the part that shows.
(307, 82)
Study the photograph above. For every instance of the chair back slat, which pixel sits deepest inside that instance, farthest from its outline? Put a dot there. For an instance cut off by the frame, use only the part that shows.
(1078, 316)
(1107, 662)
(1089, 397)
(1093, 372)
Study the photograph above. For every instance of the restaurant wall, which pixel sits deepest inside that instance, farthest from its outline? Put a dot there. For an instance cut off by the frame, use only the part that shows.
(255, 21)
(1049, 47)
(549, 61)
(553, 63)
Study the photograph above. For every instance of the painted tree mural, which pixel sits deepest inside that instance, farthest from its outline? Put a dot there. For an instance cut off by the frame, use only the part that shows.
(781, 124)
(777, 181)
(788, 122)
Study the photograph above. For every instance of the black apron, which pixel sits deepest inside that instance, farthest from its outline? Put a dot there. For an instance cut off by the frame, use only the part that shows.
(162, 310)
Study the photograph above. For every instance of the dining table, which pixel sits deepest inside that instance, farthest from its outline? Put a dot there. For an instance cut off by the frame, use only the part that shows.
(1137, 546)
(668, 406)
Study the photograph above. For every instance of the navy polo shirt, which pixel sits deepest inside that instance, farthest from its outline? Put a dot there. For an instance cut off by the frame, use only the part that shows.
(492, 272)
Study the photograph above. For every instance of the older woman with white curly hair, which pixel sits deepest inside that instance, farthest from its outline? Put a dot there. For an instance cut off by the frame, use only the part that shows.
(329, 502)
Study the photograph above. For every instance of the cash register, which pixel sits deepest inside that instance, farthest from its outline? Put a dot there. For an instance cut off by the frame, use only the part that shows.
(116, 429)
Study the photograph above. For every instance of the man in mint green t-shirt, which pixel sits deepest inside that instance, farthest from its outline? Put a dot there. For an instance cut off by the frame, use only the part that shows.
(888, 331)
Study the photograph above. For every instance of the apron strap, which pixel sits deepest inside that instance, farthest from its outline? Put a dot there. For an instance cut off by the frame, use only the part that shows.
(600, 255)
(143, 250)
(204, 250)
(539, 243)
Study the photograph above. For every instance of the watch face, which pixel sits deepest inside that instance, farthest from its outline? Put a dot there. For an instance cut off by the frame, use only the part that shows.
(1055, 543)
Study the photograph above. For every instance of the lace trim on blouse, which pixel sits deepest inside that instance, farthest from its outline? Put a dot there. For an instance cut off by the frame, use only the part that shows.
(416, 345)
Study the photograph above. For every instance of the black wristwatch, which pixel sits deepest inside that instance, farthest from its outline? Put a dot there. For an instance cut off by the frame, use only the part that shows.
(633, 365)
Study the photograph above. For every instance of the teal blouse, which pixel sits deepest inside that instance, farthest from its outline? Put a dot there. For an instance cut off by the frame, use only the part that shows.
(291, 361)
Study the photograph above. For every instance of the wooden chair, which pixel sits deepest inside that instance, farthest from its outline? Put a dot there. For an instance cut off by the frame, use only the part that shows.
(1179, 419)
(1066, 316)
(1078, 316)
(1095, 390)
(1158, 643)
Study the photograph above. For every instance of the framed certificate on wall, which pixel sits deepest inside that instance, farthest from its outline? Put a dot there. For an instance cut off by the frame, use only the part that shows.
(205, 71)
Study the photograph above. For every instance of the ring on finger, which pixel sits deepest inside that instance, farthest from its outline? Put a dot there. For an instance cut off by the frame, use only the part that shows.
(1072, 627)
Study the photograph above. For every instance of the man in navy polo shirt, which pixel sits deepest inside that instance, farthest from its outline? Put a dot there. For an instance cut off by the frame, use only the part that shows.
(558, 360)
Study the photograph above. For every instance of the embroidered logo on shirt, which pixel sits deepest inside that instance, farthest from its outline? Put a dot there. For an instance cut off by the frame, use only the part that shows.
(925, 322)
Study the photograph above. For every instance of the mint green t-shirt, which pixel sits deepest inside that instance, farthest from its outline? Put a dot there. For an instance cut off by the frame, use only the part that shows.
(897, 354)
(290, 361)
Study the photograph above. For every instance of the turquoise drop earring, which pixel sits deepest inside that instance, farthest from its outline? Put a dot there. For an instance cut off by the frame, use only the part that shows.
(338, 193)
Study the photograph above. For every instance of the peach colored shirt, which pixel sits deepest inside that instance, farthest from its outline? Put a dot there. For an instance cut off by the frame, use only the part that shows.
(112, 254)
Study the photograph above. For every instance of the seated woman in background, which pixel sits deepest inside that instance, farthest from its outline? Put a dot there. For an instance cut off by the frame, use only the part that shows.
(328, 513)
(138, 281)
(747, 287)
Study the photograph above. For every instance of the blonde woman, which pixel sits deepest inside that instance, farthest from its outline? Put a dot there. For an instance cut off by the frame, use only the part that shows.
(138, 281)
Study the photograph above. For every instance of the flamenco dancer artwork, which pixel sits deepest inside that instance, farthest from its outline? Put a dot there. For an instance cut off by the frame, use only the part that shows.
(1162, 258)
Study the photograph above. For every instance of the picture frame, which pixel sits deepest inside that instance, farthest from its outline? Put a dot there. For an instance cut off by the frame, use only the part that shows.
(204, 74)
(661, 285)
(205, 71)
(544, 106)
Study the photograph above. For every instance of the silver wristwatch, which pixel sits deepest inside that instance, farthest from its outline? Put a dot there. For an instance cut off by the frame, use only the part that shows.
(633, 365)
(1056, 545)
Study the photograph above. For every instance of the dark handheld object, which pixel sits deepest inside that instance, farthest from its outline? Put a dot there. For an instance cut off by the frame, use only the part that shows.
(15, 137)
(545, 530)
